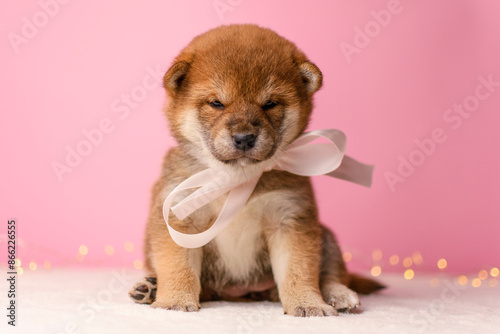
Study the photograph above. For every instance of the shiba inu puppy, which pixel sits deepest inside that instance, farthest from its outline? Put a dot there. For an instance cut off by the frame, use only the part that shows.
(239, 95)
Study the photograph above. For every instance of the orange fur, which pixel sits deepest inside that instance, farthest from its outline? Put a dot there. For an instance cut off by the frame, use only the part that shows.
(243, 79)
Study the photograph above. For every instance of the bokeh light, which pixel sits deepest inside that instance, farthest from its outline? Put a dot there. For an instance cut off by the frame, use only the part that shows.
(394, 259)
(109, 250)
(409, 274)
(129, 247)
(434, 282)
(442, 264)
(83, 250)
(407, 262)
(483, 274)
(462, 280)
(417, 258)
(377, 255)
(347, 256)
(138, 264)
(376, 271)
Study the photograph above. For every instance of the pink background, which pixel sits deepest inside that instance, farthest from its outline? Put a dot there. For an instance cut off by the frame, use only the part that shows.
(71, 73)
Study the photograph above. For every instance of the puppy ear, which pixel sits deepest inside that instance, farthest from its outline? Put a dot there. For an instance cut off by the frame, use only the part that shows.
(311, 76)
(174, 77)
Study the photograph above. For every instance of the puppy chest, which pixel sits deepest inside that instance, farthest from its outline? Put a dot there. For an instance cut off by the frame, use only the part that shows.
(239, 245)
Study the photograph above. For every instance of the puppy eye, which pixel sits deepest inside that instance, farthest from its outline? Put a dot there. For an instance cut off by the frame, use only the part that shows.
(269, 105)
(216, 104)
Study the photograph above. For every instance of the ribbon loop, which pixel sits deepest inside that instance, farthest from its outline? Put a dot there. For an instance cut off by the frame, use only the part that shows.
(301, 158)
(314, 159)
(207, 193)
(234, 203)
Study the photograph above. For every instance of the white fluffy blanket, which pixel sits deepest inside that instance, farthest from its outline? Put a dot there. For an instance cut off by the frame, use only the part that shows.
(96, 301)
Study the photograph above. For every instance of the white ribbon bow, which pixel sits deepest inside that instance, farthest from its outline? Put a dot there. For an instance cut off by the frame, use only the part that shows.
(301, 158)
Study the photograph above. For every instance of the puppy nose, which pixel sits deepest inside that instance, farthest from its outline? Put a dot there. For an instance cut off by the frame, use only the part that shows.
(244, 141)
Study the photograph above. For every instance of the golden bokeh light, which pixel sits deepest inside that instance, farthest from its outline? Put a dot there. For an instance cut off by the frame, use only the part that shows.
(20, 270)
(377, 255)
(476, 282)
(494, 272)
(442, 264)
(434, 282)
(492, 282)
(417, 258)
(80, 257)
(409, 274)
(376, 271)
(407, 262)
(129, 247)
(483, 274)
(347, 256)
(109, 250)
(33, 266)
(138, 264)
(47, 265)
(83, 250)
(17, 263)
(394, 259)
(462, 280)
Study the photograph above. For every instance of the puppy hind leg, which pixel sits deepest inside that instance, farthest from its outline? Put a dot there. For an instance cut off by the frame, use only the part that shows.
(339, 296)
(334, 276)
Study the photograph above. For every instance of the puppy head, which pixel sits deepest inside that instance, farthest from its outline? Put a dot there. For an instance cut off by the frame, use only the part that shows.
(239, 95)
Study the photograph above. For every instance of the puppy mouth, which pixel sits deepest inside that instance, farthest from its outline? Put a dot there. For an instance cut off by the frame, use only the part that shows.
(242, 161)
(244, 158)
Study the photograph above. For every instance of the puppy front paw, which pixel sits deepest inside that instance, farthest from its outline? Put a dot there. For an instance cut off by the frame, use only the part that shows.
(190, 307)
(341, 297)
(144, 292)
(307, 305)
(311, 311)
(179, 302)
